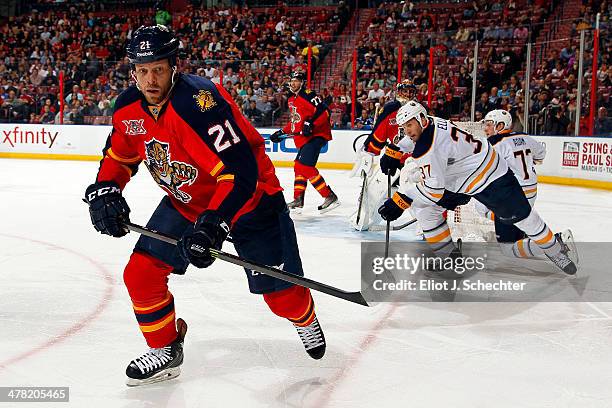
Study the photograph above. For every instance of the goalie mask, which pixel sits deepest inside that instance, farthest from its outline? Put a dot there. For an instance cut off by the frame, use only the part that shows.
(494, 118)
(405, 92)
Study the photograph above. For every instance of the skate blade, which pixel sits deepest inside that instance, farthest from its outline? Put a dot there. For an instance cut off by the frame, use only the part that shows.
(568, 239)
(296, 211)
(165, 375)
(331, 207)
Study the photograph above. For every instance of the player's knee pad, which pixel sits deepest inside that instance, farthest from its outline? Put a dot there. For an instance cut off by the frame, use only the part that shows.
(145, 275)
(304, 170)
(531, 224)
(292, 303)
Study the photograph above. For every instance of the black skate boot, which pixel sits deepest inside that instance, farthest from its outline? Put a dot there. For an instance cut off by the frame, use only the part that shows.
(313, 339)
(297, 204)
(438, 271)
(563, 260)
(158, 364)
(331, 202)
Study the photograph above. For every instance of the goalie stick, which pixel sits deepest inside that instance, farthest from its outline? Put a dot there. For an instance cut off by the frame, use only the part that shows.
(364, 184)
(355, 297)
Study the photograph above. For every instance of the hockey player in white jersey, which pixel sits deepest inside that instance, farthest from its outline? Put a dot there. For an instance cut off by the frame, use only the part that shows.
(521, 152)
(455, 167)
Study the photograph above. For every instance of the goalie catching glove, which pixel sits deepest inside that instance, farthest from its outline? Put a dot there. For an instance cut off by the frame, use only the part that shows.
(210, 231)
(394, 207)
(390, 162)
(107, 208)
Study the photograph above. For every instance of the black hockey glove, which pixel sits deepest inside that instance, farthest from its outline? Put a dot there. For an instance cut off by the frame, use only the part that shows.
(394, 207)
(307, 129)
(390, 162)
(209, 232)
(276, 136)
(451, 200)
(107, 208)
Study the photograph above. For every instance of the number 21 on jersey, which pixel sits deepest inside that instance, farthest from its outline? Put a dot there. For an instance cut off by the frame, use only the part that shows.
(223, 140)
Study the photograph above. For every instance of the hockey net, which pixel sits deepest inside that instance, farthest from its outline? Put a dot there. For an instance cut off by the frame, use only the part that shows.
(465, 222)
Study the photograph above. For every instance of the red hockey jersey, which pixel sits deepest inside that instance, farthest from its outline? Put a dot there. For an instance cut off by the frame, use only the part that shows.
(385, 129)
(198, 147)
(307, 106)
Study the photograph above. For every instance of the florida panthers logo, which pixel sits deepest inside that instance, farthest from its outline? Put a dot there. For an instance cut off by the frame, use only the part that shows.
(170, 175)
(294, 117)
(205, 100)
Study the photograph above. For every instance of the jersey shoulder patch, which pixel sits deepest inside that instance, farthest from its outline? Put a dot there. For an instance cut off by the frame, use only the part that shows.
(194, 95)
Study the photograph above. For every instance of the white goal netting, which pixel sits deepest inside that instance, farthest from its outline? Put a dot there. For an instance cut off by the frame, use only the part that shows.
(465, 222)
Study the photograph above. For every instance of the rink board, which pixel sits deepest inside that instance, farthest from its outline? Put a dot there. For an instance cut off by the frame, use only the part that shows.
(578, 161)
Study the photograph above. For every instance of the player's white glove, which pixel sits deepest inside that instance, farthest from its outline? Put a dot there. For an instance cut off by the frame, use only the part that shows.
(363, 162)
(411, 173)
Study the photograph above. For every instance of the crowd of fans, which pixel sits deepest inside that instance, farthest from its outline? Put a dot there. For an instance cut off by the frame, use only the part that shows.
(503, 30)
(252, 51)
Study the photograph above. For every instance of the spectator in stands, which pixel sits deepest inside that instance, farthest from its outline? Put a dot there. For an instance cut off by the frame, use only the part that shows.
(47, 116)
(90, 108)
(253, 114)
(603, 123)
(365, 121)
(337, 111)
(376, 92)
(484, 105)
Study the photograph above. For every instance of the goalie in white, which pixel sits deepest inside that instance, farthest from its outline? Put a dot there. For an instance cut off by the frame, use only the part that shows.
(455, 167)
(521, 152)
(374, 182)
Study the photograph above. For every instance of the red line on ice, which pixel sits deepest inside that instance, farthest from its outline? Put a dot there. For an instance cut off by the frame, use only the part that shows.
(74, 329)
(344, 372)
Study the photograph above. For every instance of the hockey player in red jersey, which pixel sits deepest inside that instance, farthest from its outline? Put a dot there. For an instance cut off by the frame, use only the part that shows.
(211, 163)
(311, 126)
(386, 129)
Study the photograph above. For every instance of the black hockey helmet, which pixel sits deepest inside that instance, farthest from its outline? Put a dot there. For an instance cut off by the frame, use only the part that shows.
(152, 43)
(299, 75)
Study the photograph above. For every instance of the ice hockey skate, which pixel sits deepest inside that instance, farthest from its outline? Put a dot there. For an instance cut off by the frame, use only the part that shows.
(564, 260)
(313, 339)
(437, 271)
(297, 205)
(158, 364)
(331, 202)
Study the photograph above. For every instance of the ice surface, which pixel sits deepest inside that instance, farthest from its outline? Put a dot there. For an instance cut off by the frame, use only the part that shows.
(66, 318)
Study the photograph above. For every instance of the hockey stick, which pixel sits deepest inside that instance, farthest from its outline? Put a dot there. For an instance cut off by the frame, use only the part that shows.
(387, 235)
(284, 136)
(393, 228)
(355, 297)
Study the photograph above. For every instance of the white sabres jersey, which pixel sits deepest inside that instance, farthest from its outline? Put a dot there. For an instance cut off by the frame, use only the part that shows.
(521, 152)
(451, 159)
